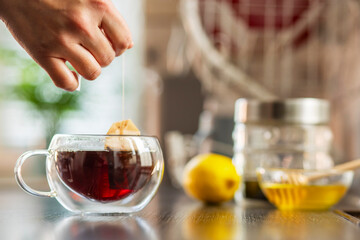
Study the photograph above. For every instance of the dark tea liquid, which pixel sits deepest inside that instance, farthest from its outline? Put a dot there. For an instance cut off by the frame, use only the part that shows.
(104, 176)
(252, 190)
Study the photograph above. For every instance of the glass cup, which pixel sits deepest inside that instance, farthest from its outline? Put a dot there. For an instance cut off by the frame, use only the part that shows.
(100, 173)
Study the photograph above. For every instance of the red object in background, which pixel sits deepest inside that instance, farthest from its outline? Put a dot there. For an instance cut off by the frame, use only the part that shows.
(258, 15)
(276, 14)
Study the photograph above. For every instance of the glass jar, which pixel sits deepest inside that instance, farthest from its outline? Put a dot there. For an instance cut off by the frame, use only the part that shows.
(289, 133)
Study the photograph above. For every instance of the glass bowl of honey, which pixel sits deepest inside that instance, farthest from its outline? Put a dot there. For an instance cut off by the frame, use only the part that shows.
(300, 189)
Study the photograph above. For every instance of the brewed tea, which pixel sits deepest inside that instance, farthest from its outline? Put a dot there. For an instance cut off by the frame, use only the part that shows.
(105, 175)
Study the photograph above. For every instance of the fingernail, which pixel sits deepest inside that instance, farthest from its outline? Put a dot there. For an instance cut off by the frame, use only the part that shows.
(131, 45)
(78, 78)
(79, 84)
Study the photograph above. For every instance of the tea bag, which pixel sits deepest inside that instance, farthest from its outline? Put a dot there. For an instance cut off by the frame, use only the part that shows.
(130, 164)
(125, 127)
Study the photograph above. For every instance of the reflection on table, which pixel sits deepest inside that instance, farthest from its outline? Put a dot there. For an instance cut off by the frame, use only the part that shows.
(170, 215)
(106, 227)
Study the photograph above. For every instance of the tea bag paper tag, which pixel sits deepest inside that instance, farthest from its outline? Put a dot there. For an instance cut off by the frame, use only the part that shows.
(126, 127)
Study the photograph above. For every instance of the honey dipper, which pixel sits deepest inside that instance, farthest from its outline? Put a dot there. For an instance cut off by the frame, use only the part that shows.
(299, 178)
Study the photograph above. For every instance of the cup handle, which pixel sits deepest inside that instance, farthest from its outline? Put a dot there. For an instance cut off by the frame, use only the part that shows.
(20, 180)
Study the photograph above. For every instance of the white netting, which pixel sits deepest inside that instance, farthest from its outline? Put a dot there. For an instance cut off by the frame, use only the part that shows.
(274, 48)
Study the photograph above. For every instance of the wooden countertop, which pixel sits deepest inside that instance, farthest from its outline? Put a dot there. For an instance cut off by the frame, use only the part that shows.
(171, 215)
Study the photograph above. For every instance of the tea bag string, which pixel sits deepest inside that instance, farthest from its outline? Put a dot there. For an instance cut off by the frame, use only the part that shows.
(123, 84)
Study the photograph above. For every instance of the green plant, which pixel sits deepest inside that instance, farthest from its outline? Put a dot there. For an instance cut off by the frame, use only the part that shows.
(33, 86)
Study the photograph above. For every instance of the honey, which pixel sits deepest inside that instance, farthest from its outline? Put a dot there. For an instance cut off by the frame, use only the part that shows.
(303, 197)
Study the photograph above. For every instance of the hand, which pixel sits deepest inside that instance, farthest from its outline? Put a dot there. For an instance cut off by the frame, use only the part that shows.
(86, 33)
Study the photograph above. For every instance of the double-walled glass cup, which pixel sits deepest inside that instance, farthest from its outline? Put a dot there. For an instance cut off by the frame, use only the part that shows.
(100, 173)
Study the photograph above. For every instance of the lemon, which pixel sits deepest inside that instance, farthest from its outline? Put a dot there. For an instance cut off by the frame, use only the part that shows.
(211, 178)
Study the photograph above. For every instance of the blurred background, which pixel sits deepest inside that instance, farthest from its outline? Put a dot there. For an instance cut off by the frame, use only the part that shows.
(192, 59)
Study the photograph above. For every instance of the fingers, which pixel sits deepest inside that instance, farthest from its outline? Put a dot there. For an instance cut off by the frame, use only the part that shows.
(92, 45)
(117, 31)
(80, 58)
(83, 61)
(60, 73)
(100, 48)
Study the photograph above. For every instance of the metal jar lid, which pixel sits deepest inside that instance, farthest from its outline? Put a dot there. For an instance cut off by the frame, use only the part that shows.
(293, 110)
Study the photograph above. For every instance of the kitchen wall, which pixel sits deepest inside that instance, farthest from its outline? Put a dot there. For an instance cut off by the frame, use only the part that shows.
(181, 98)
